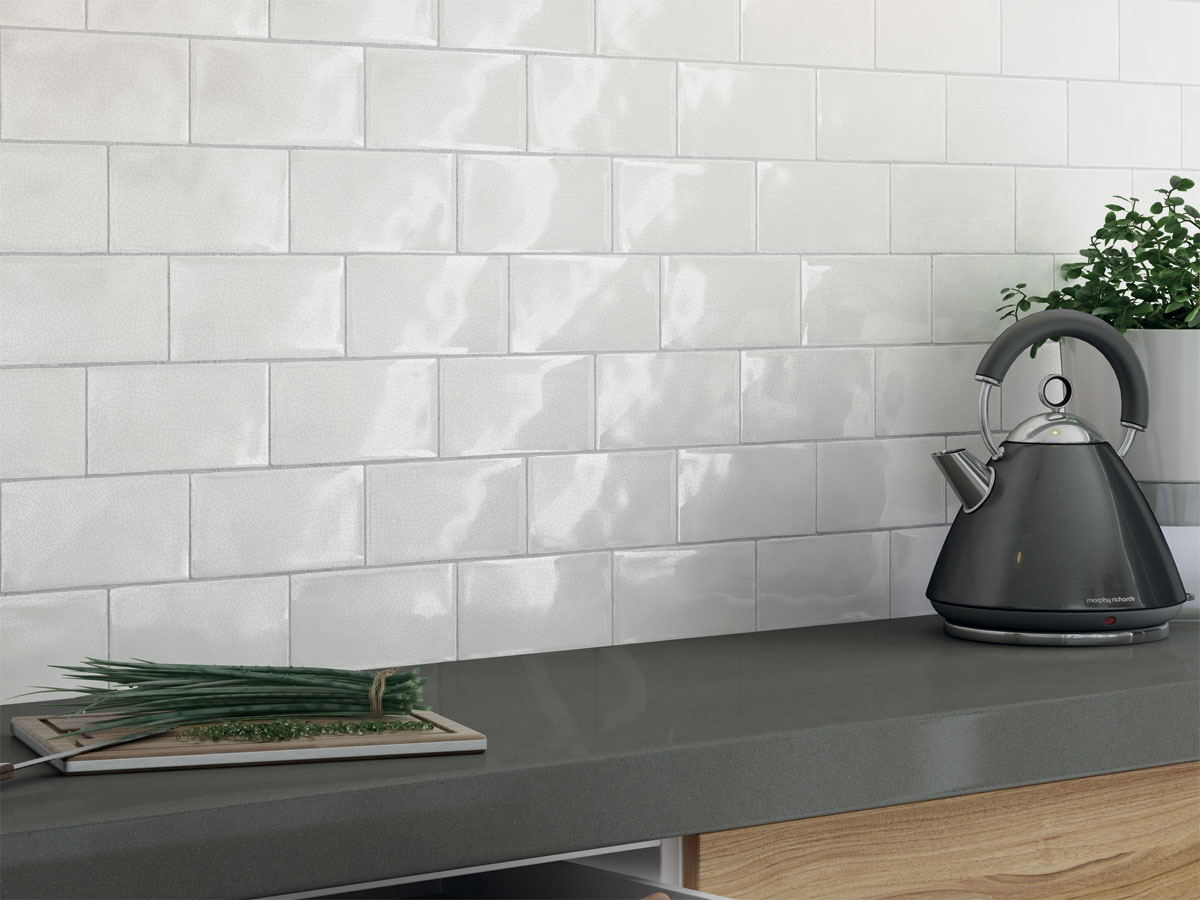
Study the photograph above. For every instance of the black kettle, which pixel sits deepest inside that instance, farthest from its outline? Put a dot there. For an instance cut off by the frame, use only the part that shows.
(1055, 543)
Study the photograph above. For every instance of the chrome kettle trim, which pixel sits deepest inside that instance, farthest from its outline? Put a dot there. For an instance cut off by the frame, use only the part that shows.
(985, 429)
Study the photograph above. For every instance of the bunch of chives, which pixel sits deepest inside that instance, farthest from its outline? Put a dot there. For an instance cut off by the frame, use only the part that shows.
(148, 695)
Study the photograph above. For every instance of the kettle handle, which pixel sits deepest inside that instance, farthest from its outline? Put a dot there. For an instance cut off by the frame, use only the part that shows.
(1014, 340)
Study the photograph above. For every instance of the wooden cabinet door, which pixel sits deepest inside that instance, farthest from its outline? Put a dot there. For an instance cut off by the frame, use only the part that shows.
(1127, 835)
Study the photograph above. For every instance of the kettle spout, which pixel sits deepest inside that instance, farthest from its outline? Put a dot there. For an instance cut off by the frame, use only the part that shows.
(971, 479)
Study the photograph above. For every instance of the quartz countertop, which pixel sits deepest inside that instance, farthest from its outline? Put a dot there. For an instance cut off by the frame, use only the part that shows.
(605, 746)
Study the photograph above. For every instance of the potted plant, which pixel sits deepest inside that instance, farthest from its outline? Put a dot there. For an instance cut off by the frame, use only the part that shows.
(1141, 274)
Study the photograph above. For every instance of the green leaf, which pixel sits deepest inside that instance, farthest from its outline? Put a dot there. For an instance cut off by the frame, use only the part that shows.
(1174, 181)
(1156, 207)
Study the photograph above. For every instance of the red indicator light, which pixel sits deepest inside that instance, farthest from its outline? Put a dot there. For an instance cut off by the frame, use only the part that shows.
(1111, 620)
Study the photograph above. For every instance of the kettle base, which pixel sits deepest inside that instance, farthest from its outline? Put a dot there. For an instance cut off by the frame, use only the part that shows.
(1053, 639)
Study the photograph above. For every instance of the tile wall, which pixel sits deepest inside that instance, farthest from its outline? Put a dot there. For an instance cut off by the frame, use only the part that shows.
(366, 332)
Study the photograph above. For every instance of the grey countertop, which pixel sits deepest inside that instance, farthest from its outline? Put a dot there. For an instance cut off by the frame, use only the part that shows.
(591, 748)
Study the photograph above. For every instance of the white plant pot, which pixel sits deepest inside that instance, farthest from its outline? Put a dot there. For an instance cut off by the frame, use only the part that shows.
(1165, 458)
(1169, 450)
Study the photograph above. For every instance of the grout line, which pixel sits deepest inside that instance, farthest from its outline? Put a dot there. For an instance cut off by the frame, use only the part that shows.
(509, 51)
(345, 286)
(512, 557)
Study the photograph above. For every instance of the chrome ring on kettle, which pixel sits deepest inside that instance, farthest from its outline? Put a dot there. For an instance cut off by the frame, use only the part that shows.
(1135, 394)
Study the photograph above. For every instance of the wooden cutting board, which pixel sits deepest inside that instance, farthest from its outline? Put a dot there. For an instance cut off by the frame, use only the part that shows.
(175, 750)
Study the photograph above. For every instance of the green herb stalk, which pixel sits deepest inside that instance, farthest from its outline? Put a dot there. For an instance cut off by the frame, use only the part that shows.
(145, 695)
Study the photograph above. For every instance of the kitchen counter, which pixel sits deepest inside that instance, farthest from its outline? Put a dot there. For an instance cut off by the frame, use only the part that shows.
(598, 747)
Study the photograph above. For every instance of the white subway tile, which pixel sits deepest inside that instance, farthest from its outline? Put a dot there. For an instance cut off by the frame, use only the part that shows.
(662, 399)
(65, 86)
(1146, 184)
(1006, 120)
(863, 485)
(77, 531)
(795, 395)
(1059, 209)
(59, 309)
(914, 551)
(1150, 123)
(822, 207)
(746, 111)
(601, 105)
(966, 292)
(516, 405)
(44, 421)
(43, 13)
(145, 418)
(733, 492)
(438, 98)
(38, 631)
(938, 35)
(275, 521)
(677, 207)
(866, 299)
(534, 605)
(584, 303)
(661, 595)
(452, 509)
(227, 18)
(730, 301)
(374, 619)
(253, 307)
(198, 199)
(1158, 41)
(55, 198)
(822, 580)
(952, 209)
(535, 203)
(1064, 38)
(809, 32)
(215, 623)
(881, 115)
(594, 500)
(565, 25)
(356, 21)
(687, 29)
(347, 201)
(411, 305)
(926, 390)
(246, 92)
(353, 410)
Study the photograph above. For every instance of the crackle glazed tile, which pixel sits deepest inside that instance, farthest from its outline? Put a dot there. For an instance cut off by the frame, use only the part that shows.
(661, 399)
(513, 204)
(448, 509)
(218, 623)
(38, 631)
(254, 93)
(374, 619)
(822, 580)
(516, 405)
(345, 410)
(584, 303)
(276, 521)
(730, 301)
(433, 99)
(534, 605)
(733, 492)
(593, 500)
(146, 418)
(76, 532)
(415, 305)
(662, 595)
(601, 105)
